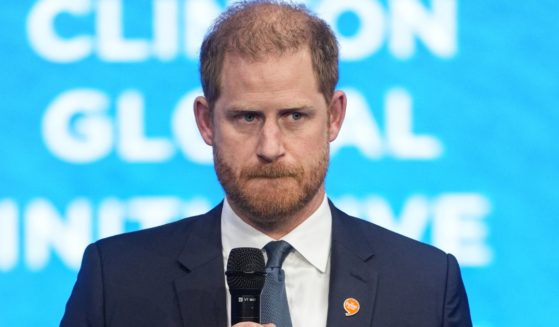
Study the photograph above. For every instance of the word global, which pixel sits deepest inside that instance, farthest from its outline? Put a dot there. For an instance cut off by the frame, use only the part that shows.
(85, 125)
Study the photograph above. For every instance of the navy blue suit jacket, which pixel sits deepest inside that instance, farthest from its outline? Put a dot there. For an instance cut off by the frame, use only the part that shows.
(173, 275)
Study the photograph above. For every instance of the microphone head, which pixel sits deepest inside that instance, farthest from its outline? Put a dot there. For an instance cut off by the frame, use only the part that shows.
(246, 269)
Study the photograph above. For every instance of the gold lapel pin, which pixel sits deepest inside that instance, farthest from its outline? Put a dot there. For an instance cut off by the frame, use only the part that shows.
(351, 306)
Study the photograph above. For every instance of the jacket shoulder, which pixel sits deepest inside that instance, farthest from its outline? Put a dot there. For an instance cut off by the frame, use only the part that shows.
(167, 240)
(390, 245)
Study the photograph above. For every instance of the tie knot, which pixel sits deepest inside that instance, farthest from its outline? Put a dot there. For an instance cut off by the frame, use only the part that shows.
(277, 251)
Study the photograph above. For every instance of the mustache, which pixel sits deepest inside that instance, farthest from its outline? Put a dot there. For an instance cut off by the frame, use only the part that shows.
(271, 171)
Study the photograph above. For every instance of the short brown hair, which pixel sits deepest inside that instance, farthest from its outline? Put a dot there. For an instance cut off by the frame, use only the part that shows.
(253, 29)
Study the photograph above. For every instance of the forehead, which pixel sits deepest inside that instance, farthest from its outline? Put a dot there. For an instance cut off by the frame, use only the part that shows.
(287, 77)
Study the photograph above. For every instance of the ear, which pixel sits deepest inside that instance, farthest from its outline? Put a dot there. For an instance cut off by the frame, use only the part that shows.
(203, 119)
(337, 113)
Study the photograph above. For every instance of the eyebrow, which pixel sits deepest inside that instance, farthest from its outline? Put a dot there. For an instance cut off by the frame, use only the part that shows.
(236, 109)
(302, 108)
(240, 109)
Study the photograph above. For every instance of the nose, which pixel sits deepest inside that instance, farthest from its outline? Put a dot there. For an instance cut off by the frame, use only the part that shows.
(270, 142)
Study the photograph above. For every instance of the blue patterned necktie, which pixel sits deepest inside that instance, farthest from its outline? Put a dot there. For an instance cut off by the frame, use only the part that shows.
(274, 307)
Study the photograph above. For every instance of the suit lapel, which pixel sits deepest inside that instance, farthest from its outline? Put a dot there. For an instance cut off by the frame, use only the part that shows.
(352, 273)
(201, 291)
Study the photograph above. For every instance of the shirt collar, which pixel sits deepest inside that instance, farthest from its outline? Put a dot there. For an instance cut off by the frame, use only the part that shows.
(312, 238)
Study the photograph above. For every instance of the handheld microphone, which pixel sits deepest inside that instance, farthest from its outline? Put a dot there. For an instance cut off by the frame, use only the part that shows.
(246, 274)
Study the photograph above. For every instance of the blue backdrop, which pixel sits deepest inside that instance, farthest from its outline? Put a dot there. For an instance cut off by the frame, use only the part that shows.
(450, 137)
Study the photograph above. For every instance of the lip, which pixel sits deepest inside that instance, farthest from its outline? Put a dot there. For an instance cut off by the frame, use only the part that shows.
(271, 179)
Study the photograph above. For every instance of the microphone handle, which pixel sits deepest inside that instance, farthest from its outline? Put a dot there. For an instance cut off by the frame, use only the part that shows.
(245, 305)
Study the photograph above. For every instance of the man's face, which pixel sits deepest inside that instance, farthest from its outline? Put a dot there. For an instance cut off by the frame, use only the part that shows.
(270, 131)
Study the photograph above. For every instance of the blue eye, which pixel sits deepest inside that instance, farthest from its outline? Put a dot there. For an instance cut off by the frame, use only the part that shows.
(249, 117)
(296, 115)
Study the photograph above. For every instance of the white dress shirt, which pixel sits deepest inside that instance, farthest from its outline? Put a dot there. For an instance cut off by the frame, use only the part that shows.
(307, 268)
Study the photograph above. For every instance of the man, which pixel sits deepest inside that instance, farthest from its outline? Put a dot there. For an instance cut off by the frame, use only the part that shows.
(269, 111)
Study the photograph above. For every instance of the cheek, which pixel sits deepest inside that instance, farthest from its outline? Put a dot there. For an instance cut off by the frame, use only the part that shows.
(235, 150)
(308, 148)
(316, 135)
